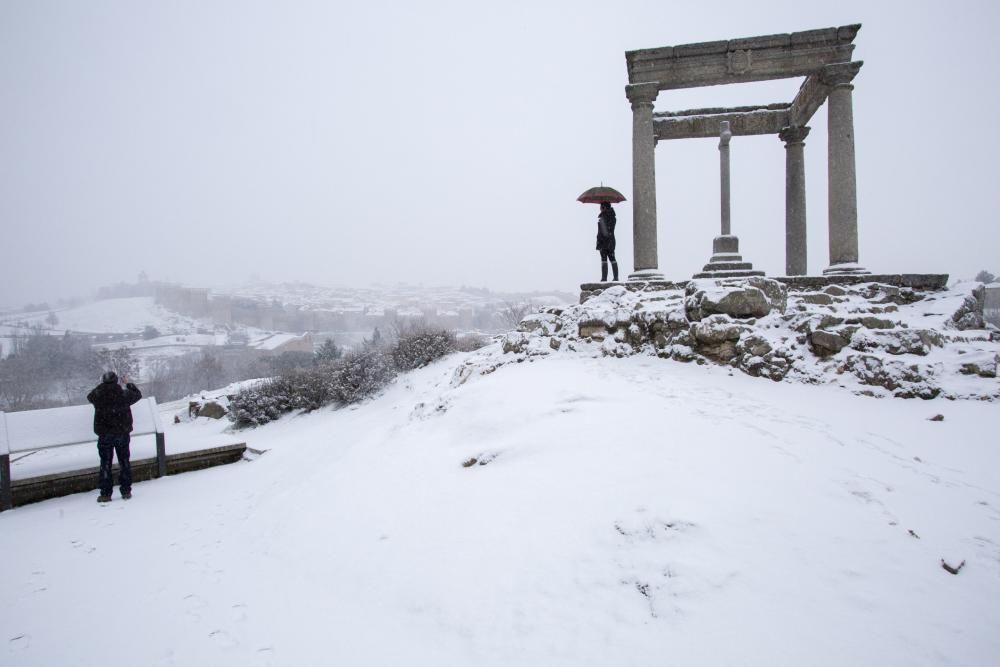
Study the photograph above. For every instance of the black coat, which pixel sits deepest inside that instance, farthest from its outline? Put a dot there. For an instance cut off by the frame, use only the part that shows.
(606, 231)
(112, 414)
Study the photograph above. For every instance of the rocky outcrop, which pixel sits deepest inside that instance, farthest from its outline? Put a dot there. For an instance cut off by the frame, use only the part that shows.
(879, 339)
(970, 314)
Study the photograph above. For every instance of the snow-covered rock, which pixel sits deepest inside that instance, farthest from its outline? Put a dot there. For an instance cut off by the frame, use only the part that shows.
(873, 338)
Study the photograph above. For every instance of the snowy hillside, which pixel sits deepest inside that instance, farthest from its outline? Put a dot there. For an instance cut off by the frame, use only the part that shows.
(560, 511)
(111, 316)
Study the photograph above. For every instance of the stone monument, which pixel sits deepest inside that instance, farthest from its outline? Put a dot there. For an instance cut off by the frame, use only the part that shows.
(823, 58)
(726, 261)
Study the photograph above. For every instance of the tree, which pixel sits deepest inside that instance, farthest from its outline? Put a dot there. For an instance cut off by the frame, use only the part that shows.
(52, 319)
(985, 276)
(150, 332)
(328, 352)
(512, 313)
(208, 372)
(119, 360)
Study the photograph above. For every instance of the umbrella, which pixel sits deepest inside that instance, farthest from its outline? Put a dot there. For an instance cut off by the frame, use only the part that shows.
(601, 193)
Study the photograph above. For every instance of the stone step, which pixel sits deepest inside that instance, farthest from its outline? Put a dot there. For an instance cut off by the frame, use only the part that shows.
(728, 266)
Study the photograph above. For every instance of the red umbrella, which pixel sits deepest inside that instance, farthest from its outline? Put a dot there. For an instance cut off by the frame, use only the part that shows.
(600, 194)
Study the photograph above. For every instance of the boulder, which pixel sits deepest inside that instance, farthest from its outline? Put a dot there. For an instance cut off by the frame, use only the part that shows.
(871, 322)
(900, 341)
(515, 342)
(735, 299)
(542, 323)
(826, 343)
(715, 337)
(212, 410)
(904, 380)
(986, 368)
(816, 298)
(776, 293)
(970, 314)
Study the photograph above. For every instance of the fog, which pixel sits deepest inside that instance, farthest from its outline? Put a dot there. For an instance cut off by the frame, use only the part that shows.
(445, 143)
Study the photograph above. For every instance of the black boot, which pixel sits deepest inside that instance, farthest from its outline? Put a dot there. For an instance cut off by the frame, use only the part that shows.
(604, 272)
(614, 269)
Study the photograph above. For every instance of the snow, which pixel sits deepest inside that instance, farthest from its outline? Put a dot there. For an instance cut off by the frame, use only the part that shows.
(274, 342)
(112, 316)
(34, 429)
(635, 511)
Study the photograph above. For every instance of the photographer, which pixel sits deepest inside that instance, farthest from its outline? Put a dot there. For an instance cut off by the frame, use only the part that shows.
(113, 424)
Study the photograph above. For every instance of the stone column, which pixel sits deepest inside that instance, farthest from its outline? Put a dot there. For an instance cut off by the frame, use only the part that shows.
(642, 95)
(795, 200)
(724, 136)
(843, 199)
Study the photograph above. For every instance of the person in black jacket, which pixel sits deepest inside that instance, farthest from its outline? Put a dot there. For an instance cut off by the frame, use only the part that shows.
(113, 424)
(606, 240)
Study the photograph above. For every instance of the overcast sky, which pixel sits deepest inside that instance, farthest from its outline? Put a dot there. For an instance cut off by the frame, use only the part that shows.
(445, 143)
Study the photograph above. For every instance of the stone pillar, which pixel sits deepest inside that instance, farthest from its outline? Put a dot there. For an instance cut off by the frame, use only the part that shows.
(724, 136)
(642, 95)
(795, 200)
(843, 198)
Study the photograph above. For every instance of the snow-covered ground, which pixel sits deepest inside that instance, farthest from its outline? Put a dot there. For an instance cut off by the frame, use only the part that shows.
(630, 511)
(112, 316)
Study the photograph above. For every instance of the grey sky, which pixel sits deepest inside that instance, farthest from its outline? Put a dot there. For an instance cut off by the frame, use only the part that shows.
(445, 143)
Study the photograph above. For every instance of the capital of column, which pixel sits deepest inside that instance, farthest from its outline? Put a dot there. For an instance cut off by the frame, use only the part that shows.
(642, 94)
(840, 75)
(793, 135)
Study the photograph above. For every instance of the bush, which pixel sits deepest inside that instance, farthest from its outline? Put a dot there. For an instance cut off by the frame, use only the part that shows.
(349, 379)
(361, 374)
(471, 342)
(416, 350)
(261, 403)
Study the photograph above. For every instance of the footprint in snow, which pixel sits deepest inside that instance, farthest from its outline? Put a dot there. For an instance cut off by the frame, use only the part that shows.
(223, 639)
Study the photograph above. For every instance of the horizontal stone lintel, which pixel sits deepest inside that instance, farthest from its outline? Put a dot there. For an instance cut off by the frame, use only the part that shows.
(741, 124)
(715, 71)
(822, 37)
(808, 100)
(709, 111)
(769, 57)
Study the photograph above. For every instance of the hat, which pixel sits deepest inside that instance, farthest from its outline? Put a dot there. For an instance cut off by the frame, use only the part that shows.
(109, 377)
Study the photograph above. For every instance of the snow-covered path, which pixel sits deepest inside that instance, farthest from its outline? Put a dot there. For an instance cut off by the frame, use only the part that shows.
(631, 512)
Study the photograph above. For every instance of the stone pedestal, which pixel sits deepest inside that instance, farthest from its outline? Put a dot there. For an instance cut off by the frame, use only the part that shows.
(795, 200)
(726, 261)
(642, 96)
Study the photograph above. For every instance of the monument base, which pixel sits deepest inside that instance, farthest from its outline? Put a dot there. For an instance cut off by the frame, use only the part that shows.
(726, 261)
(919, 281)
(645, 275)
(845, 270)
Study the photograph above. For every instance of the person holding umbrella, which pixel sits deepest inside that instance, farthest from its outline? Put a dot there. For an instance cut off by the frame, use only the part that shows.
(606, 220)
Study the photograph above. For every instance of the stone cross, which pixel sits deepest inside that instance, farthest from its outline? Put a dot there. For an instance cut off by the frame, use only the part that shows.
(726, 261)
(724, 136)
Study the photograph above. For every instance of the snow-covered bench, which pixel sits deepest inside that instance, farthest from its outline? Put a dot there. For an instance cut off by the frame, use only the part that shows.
(33, 430)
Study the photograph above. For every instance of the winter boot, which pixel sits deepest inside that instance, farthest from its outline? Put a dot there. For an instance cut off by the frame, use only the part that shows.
(614, 269)
(604, 272)
(127, 494)
(103, 499)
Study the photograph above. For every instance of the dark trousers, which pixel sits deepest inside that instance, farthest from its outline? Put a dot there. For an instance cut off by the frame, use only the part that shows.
(114, 445)
(605, 256)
